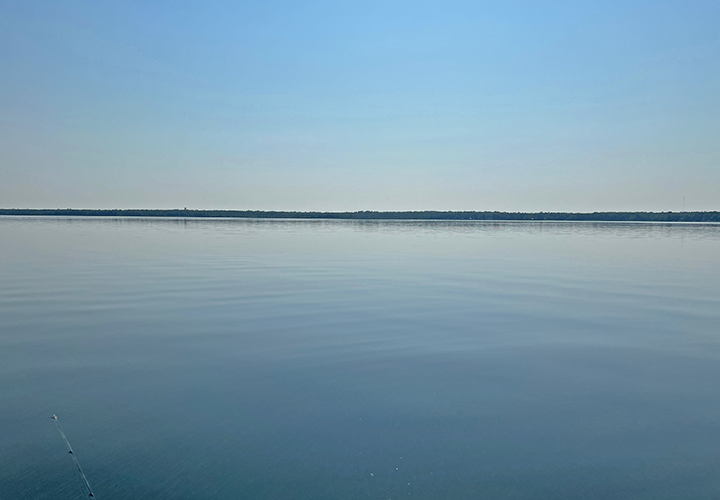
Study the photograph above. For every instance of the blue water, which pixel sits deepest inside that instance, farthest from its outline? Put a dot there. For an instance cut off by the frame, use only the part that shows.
(246, 359)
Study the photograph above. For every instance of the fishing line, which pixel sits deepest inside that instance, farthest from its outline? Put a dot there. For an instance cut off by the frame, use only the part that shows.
(86, 484)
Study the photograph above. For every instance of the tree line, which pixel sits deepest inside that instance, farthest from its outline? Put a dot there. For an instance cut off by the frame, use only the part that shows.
(370, 215)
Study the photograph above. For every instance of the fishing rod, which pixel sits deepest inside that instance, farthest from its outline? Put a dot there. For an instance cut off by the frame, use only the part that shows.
(86, 484)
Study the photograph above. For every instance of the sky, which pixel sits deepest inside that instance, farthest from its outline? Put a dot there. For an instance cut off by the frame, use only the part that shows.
(453, 105)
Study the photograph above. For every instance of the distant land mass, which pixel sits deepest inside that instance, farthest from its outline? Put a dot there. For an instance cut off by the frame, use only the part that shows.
(370, 215)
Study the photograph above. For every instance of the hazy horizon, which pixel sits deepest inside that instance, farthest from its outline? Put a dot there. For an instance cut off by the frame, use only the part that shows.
(195, 209)
(520, 107)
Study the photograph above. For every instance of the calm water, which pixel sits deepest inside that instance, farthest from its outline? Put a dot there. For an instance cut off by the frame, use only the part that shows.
(242, 359)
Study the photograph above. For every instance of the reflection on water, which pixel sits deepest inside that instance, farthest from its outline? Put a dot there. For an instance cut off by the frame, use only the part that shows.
(359, 359)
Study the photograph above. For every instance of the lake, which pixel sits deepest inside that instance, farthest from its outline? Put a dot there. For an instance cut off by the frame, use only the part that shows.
(290, 359)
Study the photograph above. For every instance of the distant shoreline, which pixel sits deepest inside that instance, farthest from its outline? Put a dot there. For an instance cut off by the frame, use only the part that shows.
(369, 215)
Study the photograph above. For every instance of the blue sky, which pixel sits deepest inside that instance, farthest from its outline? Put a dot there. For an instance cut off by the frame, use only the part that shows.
(577, 106)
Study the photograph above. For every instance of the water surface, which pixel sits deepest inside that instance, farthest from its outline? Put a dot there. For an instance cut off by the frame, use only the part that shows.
(256, 359)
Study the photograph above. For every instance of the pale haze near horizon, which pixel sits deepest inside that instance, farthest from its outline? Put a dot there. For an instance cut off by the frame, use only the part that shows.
(519, 106)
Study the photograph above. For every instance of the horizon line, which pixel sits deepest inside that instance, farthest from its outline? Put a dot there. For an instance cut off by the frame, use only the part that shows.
(636, 216)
